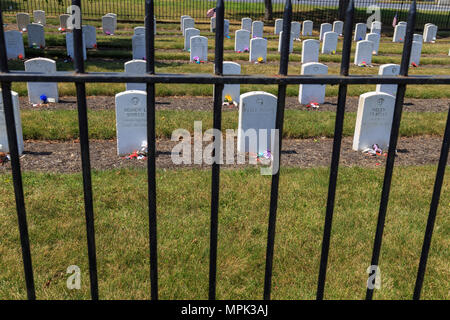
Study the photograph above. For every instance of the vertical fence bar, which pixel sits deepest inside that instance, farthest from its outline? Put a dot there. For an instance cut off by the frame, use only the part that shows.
(151, 143)
(85, 158)
(433, 210)
(283, 71)
(393, 142)
(217, 125)
(8, 109)
(338, 128)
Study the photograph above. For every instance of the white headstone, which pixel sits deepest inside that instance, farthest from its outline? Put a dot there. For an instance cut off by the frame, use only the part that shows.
(90, 36)
(296, 28)
(63, 21)
(360, 31)
(291, 42)
(181, 21)
(402, 23)
(39, 17)
(199, 48)
(324, 27)
(416, 51)
(373, 120)
(257, 29)
(242, 40)
(138, 45)
(429, 33)
(310, 51)
(278, 26)
(131, 120)
(3, 132)
(115, 19)
(312, 92)
(188, 23)
(330, 41)
(14, 44)
(258, 48)
(69, 46)
(36, 36)
(136, 67)
(376, 27)
(307, 28)
(226, 28)
(37, 89)
(399, 33)
(338, 27)
(23, 20)
(363, 52)
(139, 30)
(108, 25)
(188, 34)
(418, 37)
(257, 114)
(388, 70)
(233, 90)
(375, 38)
(246, 24)
(213, 24)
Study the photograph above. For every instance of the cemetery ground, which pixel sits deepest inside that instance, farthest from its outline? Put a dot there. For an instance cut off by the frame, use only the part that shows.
(54, 194)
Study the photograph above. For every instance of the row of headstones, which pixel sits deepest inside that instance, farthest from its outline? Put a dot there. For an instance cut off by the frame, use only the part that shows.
(36, 39)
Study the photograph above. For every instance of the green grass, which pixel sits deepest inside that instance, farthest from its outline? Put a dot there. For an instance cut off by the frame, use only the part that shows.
(63, 124)
(56, 223)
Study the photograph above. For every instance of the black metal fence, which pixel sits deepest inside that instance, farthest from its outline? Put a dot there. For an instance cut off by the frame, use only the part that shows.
(318, 11)
(80, 78)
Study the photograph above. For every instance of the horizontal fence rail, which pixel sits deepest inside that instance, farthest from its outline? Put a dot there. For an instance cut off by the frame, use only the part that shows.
(80, 78)
(319, 11)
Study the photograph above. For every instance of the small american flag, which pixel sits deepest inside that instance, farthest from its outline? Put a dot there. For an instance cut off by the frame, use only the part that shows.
(394, 22)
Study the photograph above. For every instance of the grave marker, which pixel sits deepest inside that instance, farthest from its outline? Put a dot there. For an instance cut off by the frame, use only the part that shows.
(188, 34)
(138, 45)
(399, 33)
(363, 53)
(69, 46)
(258, 48)
(199, 48)
(278, 26)
(63, 18)
(375, 38)
(39, 17)
(291, 42)
(324, 27)
(307, 28)
(14, 44)
(360, 31)
(37, 89)
(23, 20)
(296, 28)
(246, 24)
(312, 92)
(36, 36)
(389, 69)
(188, 23)
(330, 41)
(429, 33)
(136, 67)
(232, 90)
(373, 120)
(338, 27)
(108, 25)
(3, 133)
(131, 120)
(310, 51)
(242, 40)
(257, 29)
(376, 27)
(90, 36)
(213, 24)
(257, 112)
(416, 51)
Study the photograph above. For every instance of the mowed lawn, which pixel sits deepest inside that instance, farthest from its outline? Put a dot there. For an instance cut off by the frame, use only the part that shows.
(55, 211)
